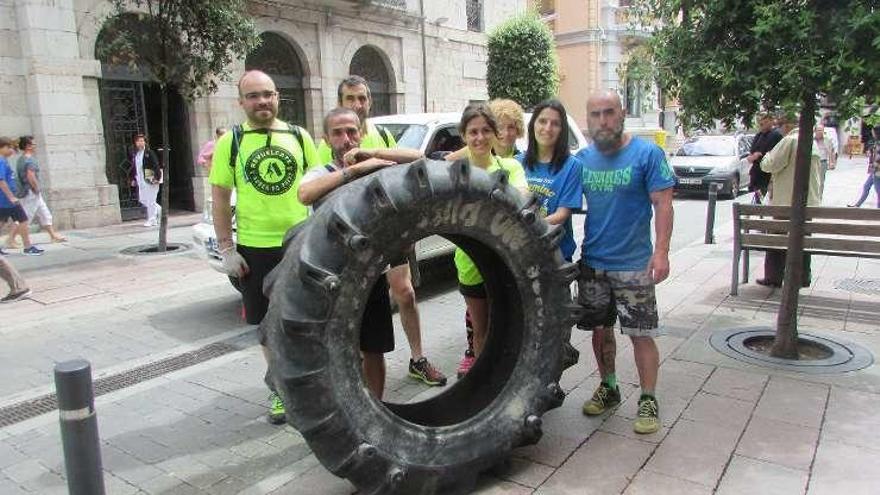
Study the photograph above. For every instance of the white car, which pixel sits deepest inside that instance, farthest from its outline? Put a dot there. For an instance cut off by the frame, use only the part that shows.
(703, 160)
(434, 134)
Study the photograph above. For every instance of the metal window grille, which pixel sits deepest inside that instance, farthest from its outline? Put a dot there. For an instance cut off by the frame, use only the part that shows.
(475, 15)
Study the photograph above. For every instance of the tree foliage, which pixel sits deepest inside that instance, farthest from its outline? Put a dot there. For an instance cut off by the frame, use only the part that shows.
(522, 62)
(728, 59)
(184, 46)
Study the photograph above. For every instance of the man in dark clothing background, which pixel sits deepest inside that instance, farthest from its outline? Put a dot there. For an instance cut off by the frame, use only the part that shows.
(765, 140)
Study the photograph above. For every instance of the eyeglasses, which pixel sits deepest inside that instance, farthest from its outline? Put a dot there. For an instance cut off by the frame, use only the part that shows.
(257, 95)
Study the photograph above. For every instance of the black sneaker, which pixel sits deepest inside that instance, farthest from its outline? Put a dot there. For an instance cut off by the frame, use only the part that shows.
(603, 398)
(423, 371)
(16, 296)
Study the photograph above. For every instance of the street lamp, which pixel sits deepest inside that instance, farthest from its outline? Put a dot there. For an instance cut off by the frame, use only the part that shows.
(439, 21)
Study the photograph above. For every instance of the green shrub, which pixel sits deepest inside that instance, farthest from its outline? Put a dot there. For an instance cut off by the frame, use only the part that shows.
(522, 62)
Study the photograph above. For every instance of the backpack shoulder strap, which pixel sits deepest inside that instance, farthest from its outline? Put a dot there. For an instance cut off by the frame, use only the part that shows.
(386, 137)
(297, 133)
(234, 146)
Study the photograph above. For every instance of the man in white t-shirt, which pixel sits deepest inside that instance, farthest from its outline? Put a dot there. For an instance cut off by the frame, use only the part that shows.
(342, 132)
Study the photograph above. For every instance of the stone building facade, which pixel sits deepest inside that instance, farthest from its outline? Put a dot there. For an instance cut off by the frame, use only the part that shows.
(594, 39)
(84, 113)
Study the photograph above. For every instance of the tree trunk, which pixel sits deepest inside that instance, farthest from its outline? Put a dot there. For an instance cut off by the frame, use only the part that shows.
(166, 176)
(785, 342)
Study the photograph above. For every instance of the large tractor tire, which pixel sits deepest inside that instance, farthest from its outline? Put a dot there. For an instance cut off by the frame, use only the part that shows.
(318, 294)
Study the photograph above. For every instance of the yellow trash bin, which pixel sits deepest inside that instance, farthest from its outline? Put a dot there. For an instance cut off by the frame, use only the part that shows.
(660, 138)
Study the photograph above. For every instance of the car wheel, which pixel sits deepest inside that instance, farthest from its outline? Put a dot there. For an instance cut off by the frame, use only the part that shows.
(319, 292)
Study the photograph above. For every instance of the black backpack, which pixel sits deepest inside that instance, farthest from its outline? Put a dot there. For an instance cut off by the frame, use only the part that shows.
(238, 132)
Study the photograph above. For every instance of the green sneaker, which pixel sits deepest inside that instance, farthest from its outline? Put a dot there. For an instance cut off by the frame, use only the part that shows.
(276, 410)
(648, 420)
(603, 398)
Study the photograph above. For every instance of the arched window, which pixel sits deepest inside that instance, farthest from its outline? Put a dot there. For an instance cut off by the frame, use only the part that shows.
(276, 57)
(369, 64)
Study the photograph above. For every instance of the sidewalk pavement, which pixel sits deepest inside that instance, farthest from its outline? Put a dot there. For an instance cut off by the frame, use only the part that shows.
(728, 427)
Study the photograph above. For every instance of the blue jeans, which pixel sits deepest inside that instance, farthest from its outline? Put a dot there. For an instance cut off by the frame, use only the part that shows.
(874, 180)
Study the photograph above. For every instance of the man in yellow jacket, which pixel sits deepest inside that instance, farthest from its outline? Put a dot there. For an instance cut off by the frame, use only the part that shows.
(780, 163)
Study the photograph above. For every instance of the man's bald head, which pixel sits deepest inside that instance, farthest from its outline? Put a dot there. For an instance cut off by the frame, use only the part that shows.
(258, 98)
(605, 98)
(605, 120)
(251, 77)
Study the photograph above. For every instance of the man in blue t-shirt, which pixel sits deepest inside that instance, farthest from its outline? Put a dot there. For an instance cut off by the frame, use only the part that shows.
(624, 177)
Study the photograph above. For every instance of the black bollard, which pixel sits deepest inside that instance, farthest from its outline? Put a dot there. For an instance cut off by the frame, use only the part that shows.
(79, 427)
(710, 213)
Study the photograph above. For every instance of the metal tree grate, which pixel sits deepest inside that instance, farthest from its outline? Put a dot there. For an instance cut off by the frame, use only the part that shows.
(867, 286)
(31, 408)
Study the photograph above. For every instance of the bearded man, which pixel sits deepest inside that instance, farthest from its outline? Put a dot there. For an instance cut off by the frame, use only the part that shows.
(623, 178)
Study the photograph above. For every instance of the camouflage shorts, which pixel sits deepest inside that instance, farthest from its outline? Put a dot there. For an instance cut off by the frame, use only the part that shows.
(609, 296)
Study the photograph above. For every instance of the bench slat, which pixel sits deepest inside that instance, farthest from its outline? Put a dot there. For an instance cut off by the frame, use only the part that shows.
(778, 241)
(783, 226)
(831, 212)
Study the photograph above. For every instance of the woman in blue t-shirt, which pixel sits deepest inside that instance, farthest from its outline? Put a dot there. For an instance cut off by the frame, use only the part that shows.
(553, 174)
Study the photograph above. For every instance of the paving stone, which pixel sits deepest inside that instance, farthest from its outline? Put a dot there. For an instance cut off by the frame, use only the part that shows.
(651, 483)
(604, 464)
(565, 429)
(117, 486)
(793, 401)
(695, 451)
(314, 481)
(852, 418)
(524, 472)
(167, 484)
(719, 410)
(746, 475)
(842, 468)
(8, 487)
(742, 385)
(491, 486)
(622, 426)
(9, 455)
(780, 443)
(126, 466)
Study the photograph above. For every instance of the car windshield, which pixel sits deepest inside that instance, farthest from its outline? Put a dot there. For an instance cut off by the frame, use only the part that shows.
(709, 146)
(407, 135)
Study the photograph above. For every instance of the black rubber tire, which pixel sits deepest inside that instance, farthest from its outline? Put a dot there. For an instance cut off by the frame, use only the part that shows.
(318, 294)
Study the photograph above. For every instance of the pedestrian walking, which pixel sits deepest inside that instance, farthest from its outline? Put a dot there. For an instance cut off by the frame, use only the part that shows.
(342, 132)
(479, 129)
(30, 191)
(873, 178)
(623, 177)
(10, 205)
(353, 93)
(263, 161)
(553, 174)
(18, 288)
(147, 178)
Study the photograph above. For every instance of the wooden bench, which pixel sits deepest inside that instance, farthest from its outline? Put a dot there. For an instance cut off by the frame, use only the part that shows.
(831, 231)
